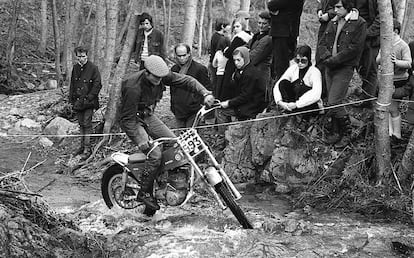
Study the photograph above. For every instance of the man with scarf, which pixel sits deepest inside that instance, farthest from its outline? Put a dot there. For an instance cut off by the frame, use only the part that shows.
(185, 104)
(249, 92)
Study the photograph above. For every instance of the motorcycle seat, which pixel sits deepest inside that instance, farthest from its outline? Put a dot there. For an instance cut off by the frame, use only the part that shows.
(137, 158)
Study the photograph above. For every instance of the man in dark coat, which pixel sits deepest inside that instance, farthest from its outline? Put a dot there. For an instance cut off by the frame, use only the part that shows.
(340, 49)
(261, 51)
(85, 85)
(285, 21)
(185, 104)
(149, 41)
(140, 94)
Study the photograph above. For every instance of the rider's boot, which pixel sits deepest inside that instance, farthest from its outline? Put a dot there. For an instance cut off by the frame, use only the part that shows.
(145, 193)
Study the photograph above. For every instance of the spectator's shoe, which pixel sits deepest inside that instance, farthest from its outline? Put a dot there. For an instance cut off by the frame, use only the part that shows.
(86, 152)
(332, 138)
(343, 142)
(148, 200)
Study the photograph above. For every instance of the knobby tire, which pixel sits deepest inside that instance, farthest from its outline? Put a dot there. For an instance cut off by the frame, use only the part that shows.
(234, 207)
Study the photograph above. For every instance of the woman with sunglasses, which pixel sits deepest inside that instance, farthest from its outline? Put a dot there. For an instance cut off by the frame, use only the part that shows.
(300, 87)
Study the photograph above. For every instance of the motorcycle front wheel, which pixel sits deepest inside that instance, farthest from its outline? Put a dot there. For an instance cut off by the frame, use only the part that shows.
(225, 194)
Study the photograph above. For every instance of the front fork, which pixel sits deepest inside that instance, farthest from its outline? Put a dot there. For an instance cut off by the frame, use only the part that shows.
(212, 177)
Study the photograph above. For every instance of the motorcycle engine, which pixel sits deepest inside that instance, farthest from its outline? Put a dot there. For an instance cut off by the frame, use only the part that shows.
(177, 186)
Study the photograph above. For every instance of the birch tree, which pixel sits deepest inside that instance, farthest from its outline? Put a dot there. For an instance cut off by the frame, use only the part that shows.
(232, 6)
(200, 30)
(44, 27)
(56, 36)
(115, 91)
(189, 22)
(382, 139)
(112, 21)
(100, 40)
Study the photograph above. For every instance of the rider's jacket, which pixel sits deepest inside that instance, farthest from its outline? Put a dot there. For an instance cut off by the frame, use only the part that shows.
(139, 96)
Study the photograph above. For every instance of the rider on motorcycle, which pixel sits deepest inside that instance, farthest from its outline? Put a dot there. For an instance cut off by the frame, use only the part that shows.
(140, 93)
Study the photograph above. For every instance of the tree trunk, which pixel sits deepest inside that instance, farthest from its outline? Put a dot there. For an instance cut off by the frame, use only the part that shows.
(67, 37)
(85, 26)
(200, 31)
(189, 22)
(56, 41)
(382, 146)
(44, 27)
(125, 25)
(167, 39)
(232, 6)
(245, 5)
(11, 37)
(400, 10)
(112, 21)
(406, 19)
(210, 23)
(164, 17)
(115, 92)
(100, 41)
(407, 162)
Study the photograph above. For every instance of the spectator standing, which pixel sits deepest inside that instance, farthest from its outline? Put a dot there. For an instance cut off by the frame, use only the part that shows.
(84, 90)
(185, 104)
(325, 13)
(285, 21)
(261, 51)
(140, 94)
(149, 41)
(226, 89)
(219, 41)
(401, 57)
(300, 87)
(340, 49)
(249, 93)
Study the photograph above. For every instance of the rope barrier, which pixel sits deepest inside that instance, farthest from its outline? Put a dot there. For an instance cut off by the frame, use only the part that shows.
(199, 127)
(214, 125)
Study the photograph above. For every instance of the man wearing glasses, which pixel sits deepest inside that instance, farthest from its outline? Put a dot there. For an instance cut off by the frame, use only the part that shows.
(85, 85)
(140, 94)
(340, 50)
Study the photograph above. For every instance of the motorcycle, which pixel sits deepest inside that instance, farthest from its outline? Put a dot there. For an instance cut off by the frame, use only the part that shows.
(179, 173)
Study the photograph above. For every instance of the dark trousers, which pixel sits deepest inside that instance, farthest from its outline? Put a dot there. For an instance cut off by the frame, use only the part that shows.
(283, 51)
(85, 125)
(337, 82)
(291, 92)
(140, 134)
(368, 70)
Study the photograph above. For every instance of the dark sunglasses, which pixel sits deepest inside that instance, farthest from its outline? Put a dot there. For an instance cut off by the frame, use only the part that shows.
(301, 60)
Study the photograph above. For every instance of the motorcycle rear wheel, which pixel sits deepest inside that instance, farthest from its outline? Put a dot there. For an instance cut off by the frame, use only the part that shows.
(234, 207)
(111, 188)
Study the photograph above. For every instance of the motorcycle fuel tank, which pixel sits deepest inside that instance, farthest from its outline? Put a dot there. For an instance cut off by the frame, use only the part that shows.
(172, 158)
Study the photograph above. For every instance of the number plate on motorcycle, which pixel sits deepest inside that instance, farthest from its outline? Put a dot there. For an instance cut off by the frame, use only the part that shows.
(190, 141)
